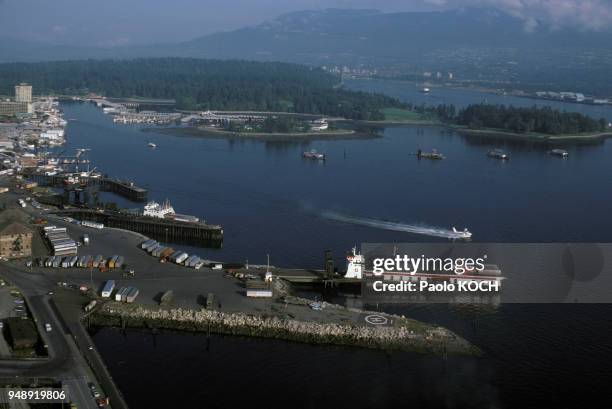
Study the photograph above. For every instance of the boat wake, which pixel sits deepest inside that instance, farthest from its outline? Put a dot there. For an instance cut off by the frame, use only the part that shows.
(408, 228)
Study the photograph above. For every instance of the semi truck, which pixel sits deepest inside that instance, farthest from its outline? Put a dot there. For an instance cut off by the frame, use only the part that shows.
(108, 288)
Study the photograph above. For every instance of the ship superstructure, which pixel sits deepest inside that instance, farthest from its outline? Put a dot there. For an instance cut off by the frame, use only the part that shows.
(166, 211)
(355, 264)
(154, 209)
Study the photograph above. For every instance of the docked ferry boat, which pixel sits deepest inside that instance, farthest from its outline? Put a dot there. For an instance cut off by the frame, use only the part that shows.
(166, 211)
(356, 269)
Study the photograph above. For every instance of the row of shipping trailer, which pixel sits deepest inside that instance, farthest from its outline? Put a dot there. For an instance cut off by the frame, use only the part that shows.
(123, 294)
(84, 261)
(126, 294)
(93, 225)
(61, 244)
(160, 251)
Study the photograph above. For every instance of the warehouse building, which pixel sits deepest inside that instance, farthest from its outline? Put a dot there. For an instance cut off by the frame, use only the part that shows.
(15, 235)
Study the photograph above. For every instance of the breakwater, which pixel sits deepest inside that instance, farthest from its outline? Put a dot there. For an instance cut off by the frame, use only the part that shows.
(404, 335)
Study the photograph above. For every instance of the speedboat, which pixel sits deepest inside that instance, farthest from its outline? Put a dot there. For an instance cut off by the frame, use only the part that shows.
(465, 234)
(152, 145)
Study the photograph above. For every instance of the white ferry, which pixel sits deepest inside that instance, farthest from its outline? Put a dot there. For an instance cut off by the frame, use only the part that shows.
(154, 209)
(166, 211)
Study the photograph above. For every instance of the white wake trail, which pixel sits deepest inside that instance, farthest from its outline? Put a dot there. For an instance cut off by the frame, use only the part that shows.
(386, 225)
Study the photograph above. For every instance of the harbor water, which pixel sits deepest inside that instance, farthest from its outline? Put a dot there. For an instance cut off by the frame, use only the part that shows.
(271, 201)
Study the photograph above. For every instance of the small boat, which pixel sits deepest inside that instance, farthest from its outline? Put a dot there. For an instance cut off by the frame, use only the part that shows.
(498, 154)
(434, 154)
(425, 90)
(313, 154)
(559, 152)
(152, 145)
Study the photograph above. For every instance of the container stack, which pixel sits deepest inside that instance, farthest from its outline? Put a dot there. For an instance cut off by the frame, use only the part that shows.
(61, 244)
(160, 251)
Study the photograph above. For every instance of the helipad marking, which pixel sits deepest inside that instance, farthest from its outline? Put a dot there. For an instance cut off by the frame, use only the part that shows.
(376, 319)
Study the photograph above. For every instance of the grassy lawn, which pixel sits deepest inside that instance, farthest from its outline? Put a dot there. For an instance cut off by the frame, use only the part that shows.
(399, 114)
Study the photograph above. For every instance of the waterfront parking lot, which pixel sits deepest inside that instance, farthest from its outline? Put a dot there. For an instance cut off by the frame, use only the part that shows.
(190, 287)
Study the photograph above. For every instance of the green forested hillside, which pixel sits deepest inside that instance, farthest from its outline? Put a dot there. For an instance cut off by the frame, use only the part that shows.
(201, 84)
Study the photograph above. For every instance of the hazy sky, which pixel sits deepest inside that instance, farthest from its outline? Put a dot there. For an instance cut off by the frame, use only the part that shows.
(122, 22)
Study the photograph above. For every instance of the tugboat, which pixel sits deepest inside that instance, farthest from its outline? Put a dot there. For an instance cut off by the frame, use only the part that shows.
(313, 154)
(498, 154)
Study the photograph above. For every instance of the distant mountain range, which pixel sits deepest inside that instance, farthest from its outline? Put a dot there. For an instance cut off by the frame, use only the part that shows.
(467, 41)
(349, 35)
(339, 34)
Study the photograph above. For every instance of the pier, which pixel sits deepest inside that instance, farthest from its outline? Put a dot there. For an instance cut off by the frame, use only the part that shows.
(299, 276)
(162, 229)
(122, 188)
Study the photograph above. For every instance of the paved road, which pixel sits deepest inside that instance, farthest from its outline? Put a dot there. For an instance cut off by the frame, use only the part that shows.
(64, 360)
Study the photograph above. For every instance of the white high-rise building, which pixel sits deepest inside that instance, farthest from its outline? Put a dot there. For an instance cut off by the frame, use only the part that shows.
(23, 93)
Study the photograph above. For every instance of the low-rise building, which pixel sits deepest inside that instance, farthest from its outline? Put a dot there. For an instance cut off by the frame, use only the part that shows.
(15, 235)
(12, 108)
(258, 289)
(319, 125)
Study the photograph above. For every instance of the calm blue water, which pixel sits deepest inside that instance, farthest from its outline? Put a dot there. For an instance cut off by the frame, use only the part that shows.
(460, 98)
(270, 201)
(538, 356)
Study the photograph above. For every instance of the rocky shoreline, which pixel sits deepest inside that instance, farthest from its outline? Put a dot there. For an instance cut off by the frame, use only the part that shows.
(403, 335)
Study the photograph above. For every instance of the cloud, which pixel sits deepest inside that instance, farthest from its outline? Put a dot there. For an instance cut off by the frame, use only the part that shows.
(584, 14)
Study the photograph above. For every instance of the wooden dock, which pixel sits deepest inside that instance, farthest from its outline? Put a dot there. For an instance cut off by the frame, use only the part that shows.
(122, 188)
(167, 230)
(311, 276)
